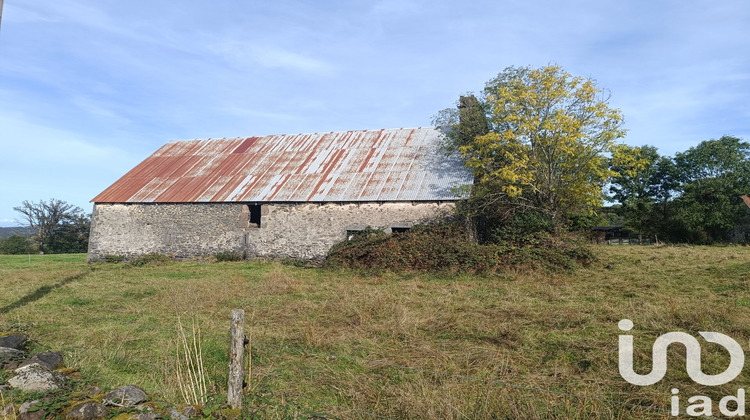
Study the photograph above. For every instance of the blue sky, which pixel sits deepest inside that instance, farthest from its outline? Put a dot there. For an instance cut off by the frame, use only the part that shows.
(89, 88)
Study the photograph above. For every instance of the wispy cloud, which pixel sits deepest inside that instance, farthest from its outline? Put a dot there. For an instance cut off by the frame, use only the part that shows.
(278, 58)
(250, 55)
(52, 146)
(255, 113)
(21, 13)
(41, 162)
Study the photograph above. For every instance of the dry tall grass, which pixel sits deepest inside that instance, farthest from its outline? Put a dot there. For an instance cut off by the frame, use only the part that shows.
(189, 368)
(7, 409)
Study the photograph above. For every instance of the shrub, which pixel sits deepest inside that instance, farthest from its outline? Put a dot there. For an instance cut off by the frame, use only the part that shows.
(444, 248)
(230, 256)
(554, 255)
(114, 258)
(150, 259)
(519, 229)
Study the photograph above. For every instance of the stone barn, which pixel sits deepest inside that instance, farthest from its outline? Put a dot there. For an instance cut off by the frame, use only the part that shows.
(279, 196)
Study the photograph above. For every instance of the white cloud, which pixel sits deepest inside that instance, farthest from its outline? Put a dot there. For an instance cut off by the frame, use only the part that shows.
(9, 223)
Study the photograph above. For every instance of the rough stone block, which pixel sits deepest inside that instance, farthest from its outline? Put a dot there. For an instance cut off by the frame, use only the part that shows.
(50, 359)
(36, 377)
(89, 410)
(13, 341)
(126, 396)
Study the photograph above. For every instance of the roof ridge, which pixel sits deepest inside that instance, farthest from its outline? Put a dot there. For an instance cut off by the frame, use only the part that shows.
(301, 134)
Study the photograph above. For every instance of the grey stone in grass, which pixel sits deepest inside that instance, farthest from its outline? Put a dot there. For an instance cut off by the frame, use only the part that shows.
(89, 410)
(176, 415)
(11, 365)
(188, 412)
(34, 415)
(126, 396)
(14, 341)
(145, 408)
(9, 353)
(25, 414)
(49, 359)
(93, 390)
(191, 411)
(145, 416)
(36, 378)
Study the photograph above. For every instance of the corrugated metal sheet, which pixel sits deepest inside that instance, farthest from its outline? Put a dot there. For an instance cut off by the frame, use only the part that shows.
(373, 165)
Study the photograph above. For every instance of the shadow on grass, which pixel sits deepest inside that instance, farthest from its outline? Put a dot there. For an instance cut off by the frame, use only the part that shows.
(39, 293)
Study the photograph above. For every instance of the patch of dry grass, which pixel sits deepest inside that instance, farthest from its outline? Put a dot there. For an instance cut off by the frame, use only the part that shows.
(513, 345)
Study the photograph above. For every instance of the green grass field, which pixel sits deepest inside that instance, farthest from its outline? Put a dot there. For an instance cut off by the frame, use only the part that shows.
(416, 345)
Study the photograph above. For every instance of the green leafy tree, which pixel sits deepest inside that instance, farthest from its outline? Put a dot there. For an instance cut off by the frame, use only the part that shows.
(56, 223)
(16, 244)
(460, 127)
(663, 188)
(634, 185)
(463, 124)
(726, 157)
(713, 175)
(71, 236)
(543, 152)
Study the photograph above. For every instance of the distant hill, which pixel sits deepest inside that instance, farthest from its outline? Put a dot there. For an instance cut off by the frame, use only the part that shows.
(7, 232)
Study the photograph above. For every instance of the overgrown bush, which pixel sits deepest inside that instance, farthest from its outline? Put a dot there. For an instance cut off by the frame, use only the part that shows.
(553, 255)
(114, 258)
(444, 248)
(230, 256)
(519, 229)
(150, 259)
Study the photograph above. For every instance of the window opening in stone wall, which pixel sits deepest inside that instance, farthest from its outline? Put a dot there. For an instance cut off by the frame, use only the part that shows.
(255, 215)
(250, 216)
(355, 230)
(399, 229)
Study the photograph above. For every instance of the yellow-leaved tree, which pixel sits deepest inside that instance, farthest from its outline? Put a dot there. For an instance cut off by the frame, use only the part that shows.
(543, 147)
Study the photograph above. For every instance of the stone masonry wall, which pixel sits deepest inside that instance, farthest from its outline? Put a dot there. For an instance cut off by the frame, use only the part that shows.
(300, 231)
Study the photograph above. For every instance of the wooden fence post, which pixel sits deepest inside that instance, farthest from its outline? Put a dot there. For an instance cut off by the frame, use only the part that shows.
(236, 351)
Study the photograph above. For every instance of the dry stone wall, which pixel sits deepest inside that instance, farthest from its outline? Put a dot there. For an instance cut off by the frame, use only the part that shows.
(300, 231)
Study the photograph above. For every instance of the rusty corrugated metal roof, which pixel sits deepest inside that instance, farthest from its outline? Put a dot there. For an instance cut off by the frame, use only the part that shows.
(371, 165)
